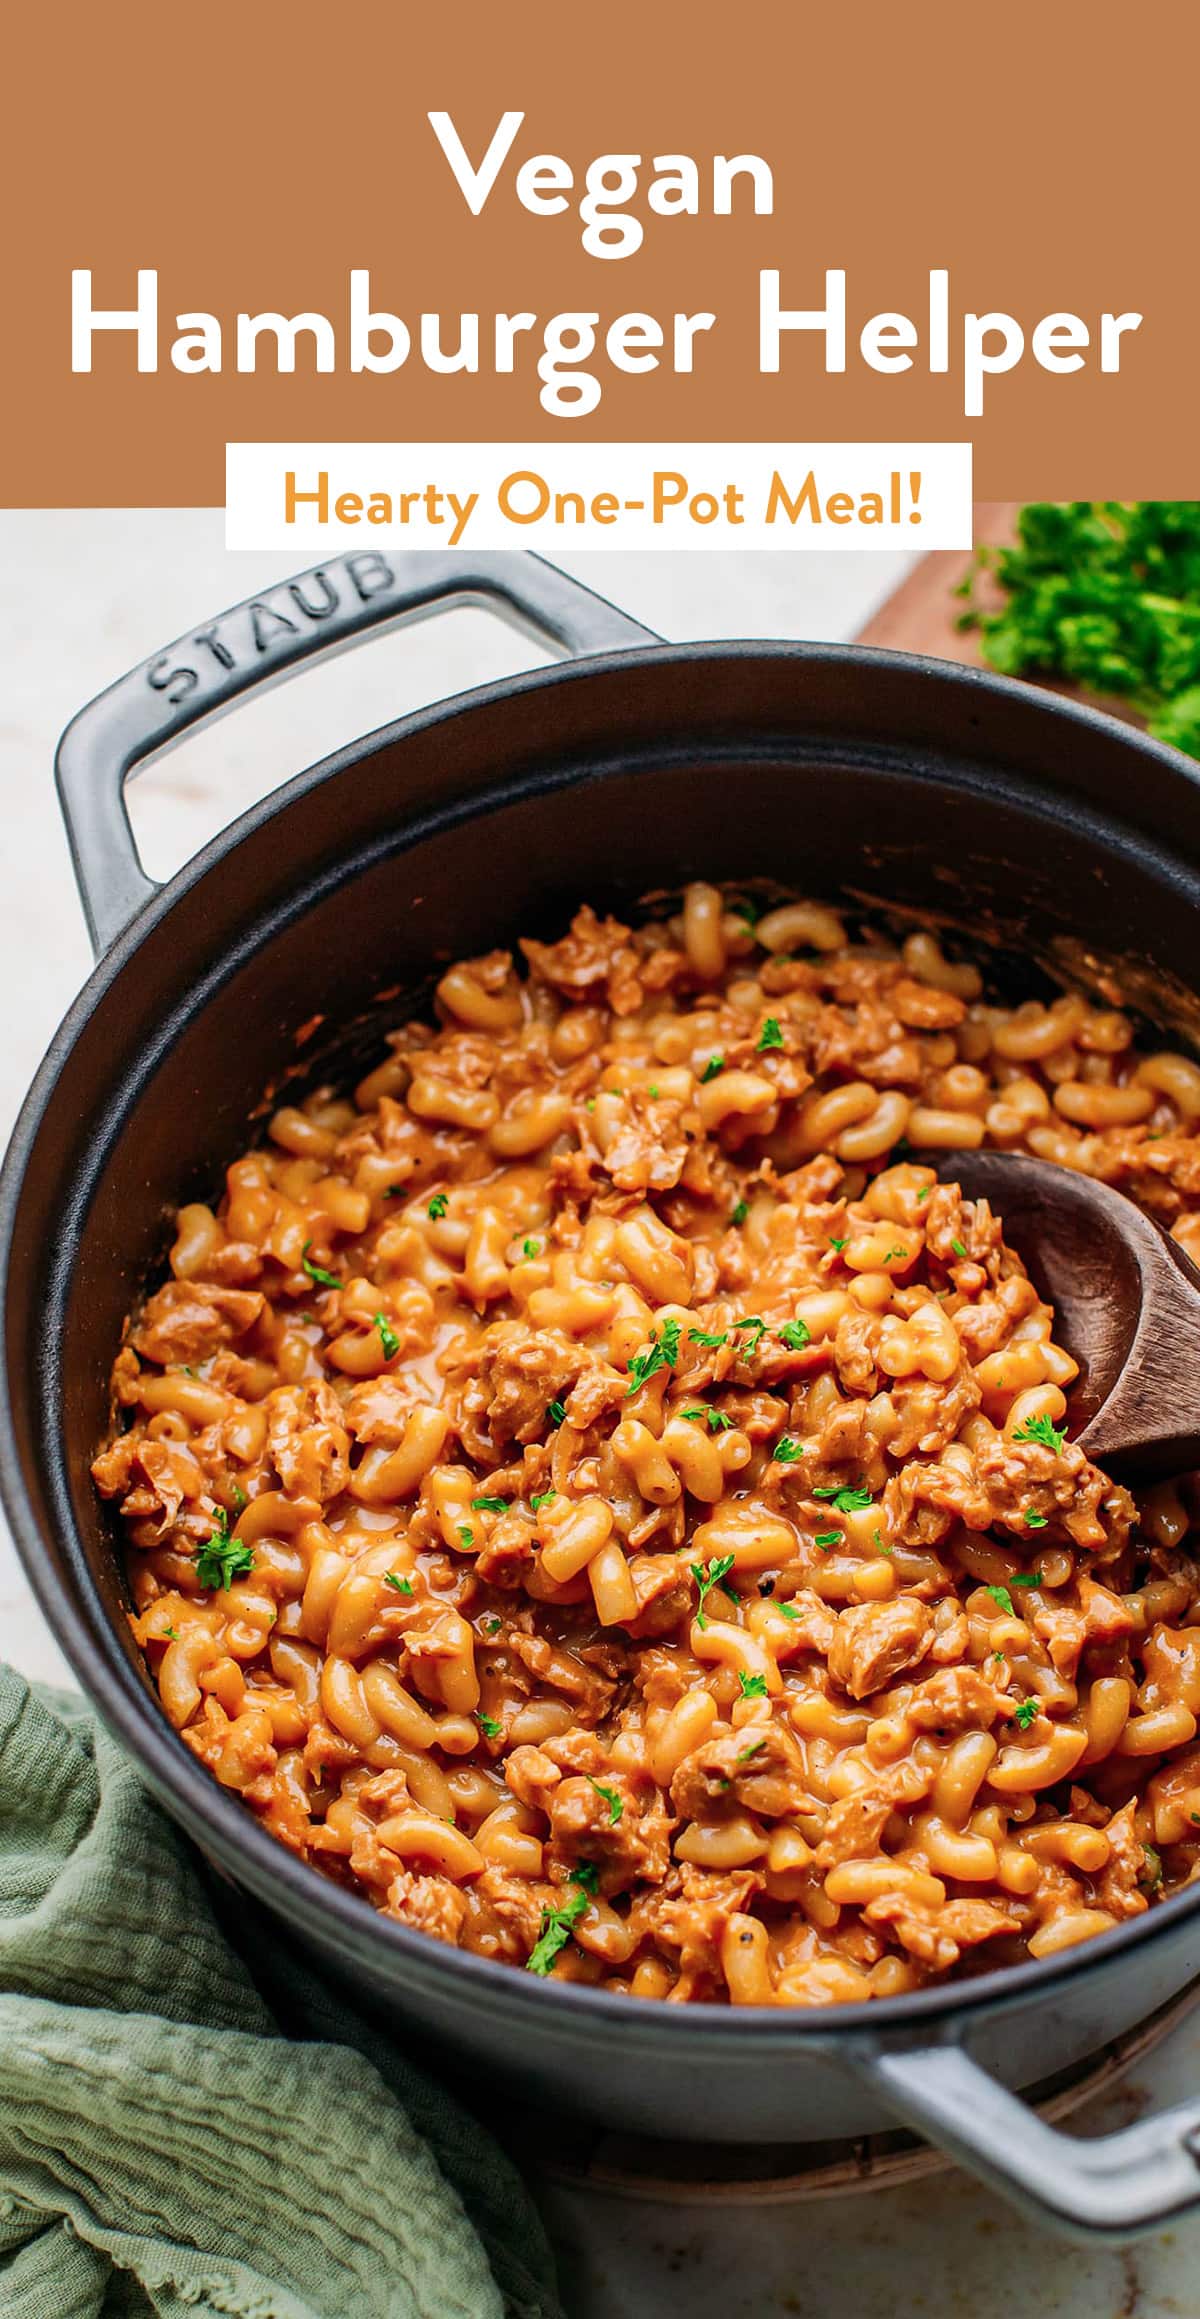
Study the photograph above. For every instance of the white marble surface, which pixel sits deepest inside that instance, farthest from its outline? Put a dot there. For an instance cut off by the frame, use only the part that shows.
(82, 597)
(85, 594)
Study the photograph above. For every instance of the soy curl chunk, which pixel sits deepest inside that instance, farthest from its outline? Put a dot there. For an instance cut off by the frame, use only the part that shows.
(874, 1641)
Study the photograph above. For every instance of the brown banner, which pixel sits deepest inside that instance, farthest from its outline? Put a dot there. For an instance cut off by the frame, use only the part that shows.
(1041, 154)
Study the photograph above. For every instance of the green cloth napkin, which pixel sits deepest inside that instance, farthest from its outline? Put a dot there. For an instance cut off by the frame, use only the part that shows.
(188, 2127)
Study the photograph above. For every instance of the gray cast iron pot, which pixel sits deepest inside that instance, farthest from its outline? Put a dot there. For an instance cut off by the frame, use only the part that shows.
(633, 765)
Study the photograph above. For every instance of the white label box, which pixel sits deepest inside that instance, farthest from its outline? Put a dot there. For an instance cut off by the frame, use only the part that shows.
(794, 496)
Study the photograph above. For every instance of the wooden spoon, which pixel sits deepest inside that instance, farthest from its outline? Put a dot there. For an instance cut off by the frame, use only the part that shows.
(1127, 1300)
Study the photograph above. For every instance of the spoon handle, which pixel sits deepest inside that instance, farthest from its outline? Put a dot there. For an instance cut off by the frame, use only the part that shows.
(1149, 1425)
(1127, 1300)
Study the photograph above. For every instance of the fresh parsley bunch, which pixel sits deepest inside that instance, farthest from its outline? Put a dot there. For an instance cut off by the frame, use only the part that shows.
(1104, 593)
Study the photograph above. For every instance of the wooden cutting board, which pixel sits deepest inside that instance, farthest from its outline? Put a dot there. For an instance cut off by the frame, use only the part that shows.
(921, 615)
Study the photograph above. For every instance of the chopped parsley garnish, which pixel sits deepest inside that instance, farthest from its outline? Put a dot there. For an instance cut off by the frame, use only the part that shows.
(387, 1336)
(1102, 592)
(1044, 1431)
(542, 1498)
(837, 1245)
(393, 1578)
(894, 1255)
(556, 1413)
(466, 1536)
(752, 1686)
(662, 1352)
(708, 1337)
(755, 1748)
(491, 1626)
(1026, 1713)
(488, 1725)
(957, 1248)
(239, 1497)
(1034, 1521)
(788, 1608)
(827, 1538)
(741, 1212)
(877, 1542)
(531, 1247)
(1026, 1578)
(489, 1505)
(758, 1330)
(795, 1335)
(717, 1420)
(615, 1802)
(1152, 1868)
(714, 1066)
(716, 1574)
(924, 1193)
(315, 1271)
(221, 1559)
(437, 1207)
(769, 1036)
(845, 1500)
(169, 1635)
(1001, 1595)
(557, 1923)
(653, 1093)
(787, 1450)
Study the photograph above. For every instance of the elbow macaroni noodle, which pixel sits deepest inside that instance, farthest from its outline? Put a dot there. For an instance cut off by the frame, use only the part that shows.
(598, 1495)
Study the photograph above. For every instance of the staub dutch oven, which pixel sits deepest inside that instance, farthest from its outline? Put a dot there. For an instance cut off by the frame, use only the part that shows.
(1053, 831)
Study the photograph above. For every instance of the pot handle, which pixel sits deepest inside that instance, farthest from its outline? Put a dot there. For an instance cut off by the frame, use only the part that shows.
(320, 611)
(1112, 2186)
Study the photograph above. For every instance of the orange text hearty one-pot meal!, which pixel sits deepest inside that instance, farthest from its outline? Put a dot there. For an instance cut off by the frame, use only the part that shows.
(595, 1493)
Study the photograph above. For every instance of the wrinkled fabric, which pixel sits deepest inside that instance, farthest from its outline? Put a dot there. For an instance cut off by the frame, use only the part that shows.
(182, 2135)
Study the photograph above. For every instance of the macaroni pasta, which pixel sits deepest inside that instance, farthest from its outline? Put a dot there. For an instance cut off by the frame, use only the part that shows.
(597, 1494)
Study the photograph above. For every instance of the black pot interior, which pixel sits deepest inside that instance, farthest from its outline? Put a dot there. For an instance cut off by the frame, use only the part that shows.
(1058, 840)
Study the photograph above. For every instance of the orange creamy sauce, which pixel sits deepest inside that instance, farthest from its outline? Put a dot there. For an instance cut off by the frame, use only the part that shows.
(590, 1495)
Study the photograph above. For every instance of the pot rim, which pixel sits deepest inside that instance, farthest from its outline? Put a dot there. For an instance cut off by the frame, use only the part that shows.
(217, 1819)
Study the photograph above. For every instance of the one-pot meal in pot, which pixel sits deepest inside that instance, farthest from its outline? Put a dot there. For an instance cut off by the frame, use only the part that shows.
(593, 1490)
